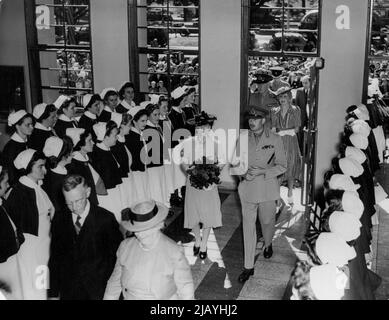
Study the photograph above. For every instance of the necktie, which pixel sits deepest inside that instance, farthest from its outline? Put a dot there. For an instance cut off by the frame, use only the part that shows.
(77, 225)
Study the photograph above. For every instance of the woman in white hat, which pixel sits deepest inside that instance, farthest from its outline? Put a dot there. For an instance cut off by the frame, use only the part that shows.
(150, 266)
(156, 168)
(177, 115)
(111, 100)
(106, 165)
(21, 126)
(82, 146)
(31, 209)
(91, 104)
(127, 94)
(46, 117)
(137, 146)
(66, 115)
(124, 158)
(286, 120)
(59, 154)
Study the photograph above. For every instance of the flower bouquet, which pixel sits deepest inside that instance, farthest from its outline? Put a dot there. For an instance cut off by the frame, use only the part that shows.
(204, 175)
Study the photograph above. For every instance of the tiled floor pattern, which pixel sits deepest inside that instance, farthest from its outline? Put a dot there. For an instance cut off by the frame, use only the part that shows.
(216, 277)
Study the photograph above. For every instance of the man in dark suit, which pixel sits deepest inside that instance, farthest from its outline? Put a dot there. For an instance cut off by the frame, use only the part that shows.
(302, 100)
(84, 242)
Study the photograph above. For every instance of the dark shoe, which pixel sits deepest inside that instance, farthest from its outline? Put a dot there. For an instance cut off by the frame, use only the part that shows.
(203, 255)
(268, 252)
(196, 250)
(186, 238)
(245, 275)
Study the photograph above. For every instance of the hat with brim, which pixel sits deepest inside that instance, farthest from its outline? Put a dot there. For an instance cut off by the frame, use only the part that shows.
(281, 91)
(277, 71)
(262, 76)
(144, 216)
(257, 113)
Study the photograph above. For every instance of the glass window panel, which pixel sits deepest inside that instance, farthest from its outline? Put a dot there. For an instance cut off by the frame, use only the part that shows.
(50, 95)
(263, 40)
(52, 36)
(157, 37)
(298, 42)
(380, 32)
(54, 78)
(144, 82)
(265, 18)
(49, 59)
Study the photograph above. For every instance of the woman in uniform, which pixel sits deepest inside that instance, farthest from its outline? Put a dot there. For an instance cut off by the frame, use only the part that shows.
(67, 113)
(111, 101)
(91, 104)
(127, 94)
(46, 117)
(106, 165)
(59, 155)
(21, 124)
(34, 223)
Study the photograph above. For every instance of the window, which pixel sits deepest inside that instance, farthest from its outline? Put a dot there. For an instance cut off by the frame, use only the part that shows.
(282, 33)
(63, 47)
(167, 45)
(377, 71)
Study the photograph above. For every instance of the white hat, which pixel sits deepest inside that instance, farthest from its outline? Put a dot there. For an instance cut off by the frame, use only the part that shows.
(145, 216)
(327, 282)
(144, 104)
(345, 225)
(86, 99)
(39, 109)
(105, 91)
(15, 117)
(75, 134)
(117, 118)
(361, 126)
(331, 248)
(350, 167)
(23, 159)
(178, 93)
(53, 147)
(352, 204)
(133, 111)
(100, 130)
(342, 182)
(356, 154)
(359, 141)
(362, 112)
(154, 98)
(60, 101)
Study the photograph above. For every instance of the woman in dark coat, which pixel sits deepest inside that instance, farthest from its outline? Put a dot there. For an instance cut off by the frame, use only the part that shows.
(81, 165)
(107, 167)
(67, 113)
(21, 124)
(126, 93)
(111, 100)
(91, 104)
(46, 117)
(59, 154)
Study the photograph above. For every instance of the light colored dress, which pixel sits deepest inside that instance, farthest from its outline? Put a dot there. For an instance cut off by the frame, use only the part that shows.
(201, 206)
(162, 273)
(285, 128)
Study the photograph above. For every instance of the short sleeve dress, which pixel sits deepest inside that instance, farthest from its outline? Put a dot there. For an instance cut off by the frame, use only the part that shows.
(291, 121)
(201, 206)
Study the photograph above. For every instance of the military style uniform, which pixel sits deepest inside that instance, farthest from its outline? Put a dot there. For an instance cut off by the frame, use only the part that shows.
(265, 152)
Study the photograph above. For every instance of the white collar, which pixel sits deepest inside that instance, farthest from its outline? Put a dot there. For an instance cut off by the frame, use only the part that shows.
(136, 130)
(28, 182)
(177, 109)
(40, 126)
(150, 124)
(60, 170)
(79, 157)
(121, 139)
(108, 109)
(64, 118)
(90, 115)
(82, 215)
(102, 146)
(126, 105)
(15, 137)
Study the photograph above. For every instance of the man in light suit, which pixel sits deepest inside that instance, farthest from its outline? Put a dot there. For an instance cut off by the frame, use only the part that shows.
(302, 101)
(84, 242)
(259, 190)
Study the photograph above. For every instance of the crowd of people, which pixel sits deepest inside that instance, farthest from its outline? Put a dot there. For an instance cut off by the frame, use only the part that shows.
(341, 253)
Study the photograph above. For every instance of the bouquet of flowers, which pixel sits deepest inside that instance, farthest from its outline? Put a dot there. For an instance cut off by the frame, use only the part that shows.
(203, 175)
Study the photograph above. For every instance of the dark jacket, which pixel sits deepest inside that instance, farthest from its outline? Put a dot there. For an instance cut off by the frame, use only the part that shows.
(135, 146)
(38, 139)
(10, 240)
(61, 127)
(80, 265)
(10, 152)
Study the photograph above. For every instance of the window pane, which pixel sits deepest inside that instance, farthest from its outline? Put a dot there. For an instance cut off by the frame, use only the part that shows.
(300, 42)
(265, 40)
(263, 18)
(380, 31)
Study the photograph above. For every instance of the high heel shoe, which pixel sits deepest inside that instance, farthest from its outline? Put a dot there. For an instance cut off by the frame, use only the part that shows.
(196, 250)
(203, 255)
